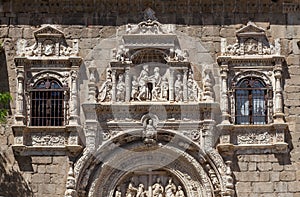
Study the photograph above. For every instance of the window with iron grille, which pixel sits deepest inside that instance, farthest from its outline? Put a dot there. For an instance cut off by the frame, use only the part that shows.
(47, 103)
(251, 95)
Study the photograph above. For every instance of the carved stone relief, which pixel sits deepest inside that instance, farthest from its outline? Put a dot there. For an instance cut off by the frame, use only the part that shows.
(153, 82)
(46, 139)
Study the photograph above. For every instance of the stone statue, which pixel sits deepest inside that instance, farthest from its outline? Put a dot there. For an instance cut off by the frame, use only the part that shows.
(156, 80)
(140, 191)
(150, 133)
(134, 88)
(158, 189)
(170, 189)
(178, 88)
(118, 192)
(179, 192)
(120, 96)
(164, 89)
(131, 190)
(143, 80)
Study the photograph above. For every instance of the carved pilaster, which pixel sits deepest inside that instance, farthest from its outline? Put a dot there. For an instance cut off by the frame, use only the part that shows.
(171, 86)
(224, 94)
(20, 97)
(73, 99)
(128, 85)
(278, 112)
(92, 85)
(113, 94)
(185, 89)
(70, 185)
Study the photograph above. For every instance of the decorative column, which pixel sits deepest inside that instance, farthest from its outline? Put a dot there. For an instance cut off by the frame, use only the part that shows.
(207, 87)
(128, 85)
(70, 185)
(92, 85)
(224, 93)
(73, 120)
(171, 85)
(278, 113)
(113, 92)
(185, 89)
(20, 97)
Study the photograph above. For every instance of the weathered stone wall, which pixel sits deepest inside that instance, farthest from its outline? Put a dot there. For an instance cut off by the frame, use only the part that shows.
(255, 175)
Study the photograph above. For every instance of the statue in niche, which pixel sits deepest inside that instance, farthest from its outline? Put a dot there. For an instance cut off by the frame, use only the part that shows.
(141, 191)
(155, 79)
(118, 192)
(120, 96)
(164, 89)
(170, 189)
(150, 133)
(179, 192)
(158, 189)
(105, 90)
(143, 80)
(131, 190)
(178, 88)
(134, 88)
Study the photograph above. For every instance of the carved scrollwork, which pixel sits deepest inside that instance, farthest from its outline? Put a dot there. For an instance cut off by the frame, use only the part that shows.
(48, 139)
(255, 138)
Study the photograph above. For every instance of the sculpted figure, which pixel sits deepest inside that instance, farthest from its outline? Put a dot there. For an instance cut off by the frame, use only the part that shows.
(158, 189)
(118, 192)
(143, 79)
(170, 189)
(178, 88)
(140, 191)
(156, 80)
(120, 96)
(150, 133)
(164, 89)
(131, 190)
(179, 192)
(134, 88)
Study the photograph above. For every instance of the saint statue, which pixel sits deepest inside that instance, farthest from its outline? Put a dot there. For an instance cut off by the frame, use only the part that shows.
(131, 190)
(134, 88)
(179, 192)
(120, 96)
(158, 189)
(170, 189)
(143, 80)
(178, 88)
(150, 133)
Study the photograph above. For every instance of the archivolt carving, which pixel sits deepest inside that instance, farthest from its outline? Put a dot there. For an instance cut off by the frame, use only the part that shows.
(257, 74)
(63, 78)
(113, 171)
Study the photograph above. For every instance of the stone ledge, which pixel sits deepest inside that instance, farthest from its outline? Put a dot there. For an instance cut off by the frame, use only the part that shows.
(280, 147)
(71, 150)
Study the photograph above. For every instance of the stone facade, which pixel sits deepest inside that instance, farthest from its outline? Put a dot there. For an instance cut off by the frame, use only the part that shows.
(115, 140)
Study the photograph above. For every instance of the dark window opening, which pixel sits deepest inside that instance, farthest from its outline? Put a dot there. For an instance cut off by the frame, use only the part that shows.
(47, 104)
(251, 97)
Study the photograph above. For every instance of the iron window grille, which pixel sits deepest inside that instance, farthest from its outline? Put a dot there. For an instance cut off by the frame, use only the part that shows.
(251, 106)
(47, 103)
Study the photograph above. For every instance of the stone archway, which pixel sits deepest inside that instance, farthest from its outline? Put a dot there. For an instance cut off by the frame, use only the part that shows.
(126, 159)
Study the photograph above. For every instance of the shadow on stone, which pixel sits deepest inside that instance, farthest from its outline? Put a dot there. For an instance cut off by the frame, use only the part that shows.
(11, 181)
